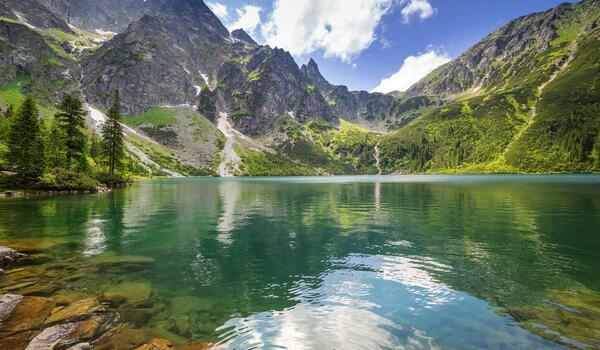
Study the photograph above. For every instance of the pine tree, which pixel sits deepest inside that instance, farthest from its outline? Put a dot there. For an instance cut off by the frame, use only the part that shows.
(112, 135)
(71, 119)
(25, 142)
(55, 146)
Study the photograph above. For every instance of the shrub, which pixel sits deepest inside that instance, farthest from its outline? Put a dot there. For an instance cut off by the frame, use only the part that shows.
(59, 179)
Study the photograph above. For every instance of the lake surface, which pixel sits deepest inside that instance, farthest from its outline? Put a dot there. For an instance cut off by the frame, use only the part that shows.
(373, 262)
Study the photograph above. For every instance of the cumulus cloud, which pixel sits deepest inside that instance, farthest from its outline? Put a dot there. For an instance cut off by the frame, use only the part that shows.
(341, 28)
(413, 69)
(219, 9)
(248, 18)
(422, 8)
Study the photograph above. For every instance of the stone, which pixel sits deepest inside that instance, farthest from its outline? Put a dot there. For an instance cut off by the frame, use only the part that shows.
(182, 324)
(9, 256)
(189, 304)
(81, 346)
(156, 344)
(123, 338)
(110, 259)
(29, 314)
(86, 330)
(68, 297)
(50, 336)
(40, 289)
(136, 317)
(8, 302)
(26, 273)
(16, 340)
(76, 310)
(114, 299)
(135, 293)
(17, 286)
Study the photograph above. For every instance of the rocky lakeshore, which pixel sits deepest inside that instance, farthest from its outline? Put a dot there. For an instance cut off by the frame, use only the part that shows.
(46, 305)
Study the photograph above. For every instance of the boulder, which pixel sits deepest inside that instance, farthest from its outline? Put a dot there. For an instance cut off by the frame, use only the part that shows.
(9, 256)
(8, 303)
(50, 336)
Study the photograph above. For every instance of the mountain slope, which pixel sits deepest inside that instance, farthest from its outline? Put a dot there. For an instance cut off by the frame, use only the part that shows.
(523, 99)
(199, 99)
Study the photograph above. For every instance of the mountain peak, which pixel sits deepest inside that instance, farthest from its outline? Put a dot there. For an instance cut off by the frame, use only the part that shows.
(241, 35)
(314, 76)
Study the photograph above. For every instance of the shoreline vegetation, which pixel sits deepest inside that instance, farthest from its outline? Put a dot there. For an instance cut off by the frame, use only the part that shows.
(60, 155)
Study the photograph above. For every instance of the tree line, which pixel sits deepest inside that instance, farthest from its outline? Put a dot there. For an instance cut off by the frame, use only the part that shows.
(35, 150)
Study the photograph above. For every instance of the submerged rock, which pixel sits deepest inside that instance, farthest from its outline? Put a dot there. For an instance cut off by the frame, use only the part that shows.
(29, 314)
(187, 304)
(78, 309)
(156, 344)
(571, 318)
(124, 338)
(134, 293)
(16, 340)
(136, 317)
(113, 260)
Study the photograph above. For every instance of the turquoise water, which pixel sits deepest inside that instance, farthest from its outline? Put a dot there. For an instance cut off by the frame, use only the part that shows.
(370, 262)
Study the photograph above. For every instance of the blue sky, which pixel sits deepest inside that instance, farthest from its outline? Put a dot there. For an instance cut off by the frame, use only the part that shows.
(360, 43)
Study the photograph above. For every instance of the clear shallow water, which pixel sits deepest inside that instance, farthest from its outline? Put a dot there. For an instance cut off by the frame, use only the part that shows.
(370, 262)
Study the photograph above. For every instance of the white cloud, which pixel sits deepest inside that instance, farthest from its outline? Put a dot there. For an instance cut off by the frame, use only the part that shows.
(219, 9)
(422, 8)
(413, 69)
(341, 28)
(248, 19)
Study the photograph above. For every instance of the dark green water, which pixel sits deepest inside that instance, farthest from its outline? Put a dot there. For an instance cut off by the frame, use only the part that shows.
(414, 262)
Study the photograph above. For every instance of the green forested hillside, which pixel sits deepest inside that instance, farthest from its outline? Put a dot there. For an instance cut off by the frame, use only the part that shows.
(538, 111)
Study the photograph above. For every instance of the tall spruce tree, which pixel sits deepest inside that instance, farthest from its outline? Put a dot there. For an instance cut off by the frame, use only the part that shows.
(55, 146)
(112, 135)
(25, 142)
(71, 119)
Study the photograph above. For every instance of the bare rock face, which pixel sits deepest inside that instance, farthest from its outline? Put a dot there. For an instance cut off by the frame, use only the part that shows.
(156, 61)
(351, 105)
(116, 15)
(34, 13)
(241, 35)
